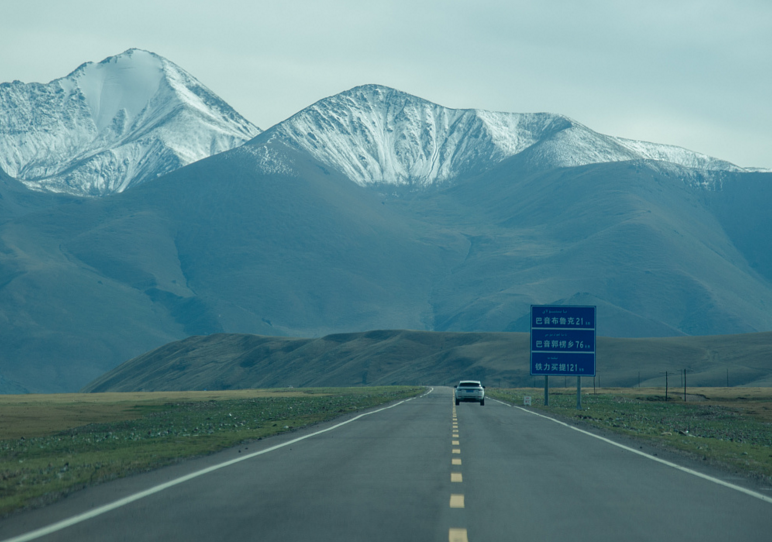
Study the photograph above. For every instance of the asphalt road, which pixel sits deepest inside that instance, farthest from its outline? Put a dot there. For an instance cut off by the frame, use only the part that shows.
(405, 474)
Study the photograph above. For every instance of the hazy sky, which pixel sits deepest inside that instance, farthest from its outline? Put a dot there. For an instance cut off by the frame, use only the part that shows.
(691, 73)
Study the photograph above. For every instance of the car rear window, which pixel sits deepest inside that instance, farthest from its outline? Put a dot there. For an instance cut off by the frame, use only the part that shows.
(468, 385)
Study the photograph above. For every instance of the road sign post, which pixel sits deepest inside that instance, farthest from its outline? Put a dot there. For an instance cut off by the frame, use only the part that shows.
(578, 393)
(563, 343)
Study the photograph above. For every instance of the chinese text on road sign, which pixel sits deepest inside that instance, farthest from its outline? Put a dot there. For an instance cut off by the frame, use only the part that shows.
(562, 340)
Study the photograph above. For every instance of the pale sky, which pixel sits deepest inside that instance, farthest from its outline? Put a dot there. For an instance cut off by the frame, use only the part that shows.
(692, 73)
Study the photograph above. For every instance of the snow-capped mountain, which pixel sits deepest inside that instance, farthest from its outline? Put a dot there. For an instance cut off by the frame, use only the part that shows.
(291, 246)
(375, 134)
(111, 125)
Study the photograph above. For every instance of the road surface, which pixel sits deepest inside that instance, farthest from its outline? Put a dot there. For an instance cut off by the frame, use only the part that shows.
(422, 470)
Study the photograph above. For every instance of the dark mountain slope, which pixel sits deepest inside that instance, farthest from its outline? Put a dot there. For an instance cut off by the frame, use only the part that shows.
(742, 204)
(235, 361)
(227, 244)
(640, 243)
(298, 251)
(17, 200)
(264, 239)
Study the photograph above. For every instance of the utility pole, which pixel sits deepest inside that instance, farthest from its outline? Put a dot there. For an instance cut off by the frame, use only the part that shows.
(666, 386)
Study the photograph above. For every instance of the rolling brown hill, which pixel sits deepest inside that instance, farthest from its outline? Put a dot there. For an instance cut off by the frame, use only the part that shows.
(234, 361)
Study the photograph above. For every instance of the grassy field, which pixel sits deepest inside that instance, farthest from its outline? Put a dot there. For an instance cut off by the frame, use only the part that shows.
(729, 427)
(54, 444)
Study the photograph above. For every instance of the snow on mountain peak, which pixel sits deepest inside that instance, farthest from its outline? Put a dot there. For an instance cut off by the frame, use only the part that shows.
(113, 124)
(128, 81)
(375, 134)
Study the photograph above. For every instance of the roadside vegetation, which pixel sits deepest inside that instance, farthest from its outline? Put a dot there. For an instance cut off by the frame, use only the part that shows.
(48, 447)
(729, 427)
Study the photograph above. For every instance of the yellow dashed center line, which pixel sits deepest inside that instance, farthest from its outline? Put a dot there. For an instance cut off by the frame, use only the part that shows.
(456, 500)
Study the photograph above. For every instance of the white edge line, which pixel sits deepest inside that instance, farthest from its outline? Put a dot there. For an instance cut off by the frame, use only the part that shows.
(648, 456)
(58, 526)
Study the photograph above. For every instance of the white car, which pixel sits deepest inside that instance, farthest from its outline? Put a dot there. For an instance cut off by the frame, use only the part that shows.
(470, 390)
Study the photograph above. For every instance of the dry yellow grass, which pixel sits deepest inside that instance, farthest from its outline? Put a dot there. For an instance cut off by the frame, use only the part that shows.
(35, 415)
(756, 401)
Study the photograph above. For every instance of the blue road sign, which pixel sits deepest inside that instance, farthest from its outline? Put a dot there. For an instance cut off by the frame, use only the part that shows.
(562, 340)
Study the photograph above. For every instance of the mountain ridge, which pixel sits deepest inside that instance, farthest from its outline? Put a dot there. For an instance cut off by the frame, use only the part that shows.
(114, 124)
(110, 125)
(378, 135)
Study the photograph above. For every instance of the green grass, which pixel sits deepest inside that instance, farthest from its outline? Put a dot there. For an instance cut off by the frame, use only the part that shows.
(39, 470)
(730, 436)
